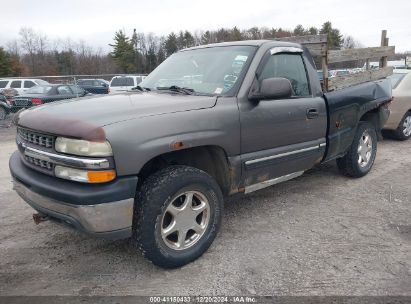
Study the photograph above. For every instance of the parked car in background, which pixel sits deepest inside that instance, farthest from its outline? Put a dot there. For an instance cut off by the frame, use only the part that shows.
(124, 83)
(94, 86)
(398, 125)
(5, 107)
(9, 93)
(46, 93)
(21, 85)
(335, 73)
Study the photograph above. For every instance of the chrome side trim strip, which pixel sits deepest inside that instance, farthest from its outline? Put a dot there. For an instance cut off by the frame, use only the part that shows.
(78, 162)
(285, 49)
(271, 182)
(254, 161)
(98, 218)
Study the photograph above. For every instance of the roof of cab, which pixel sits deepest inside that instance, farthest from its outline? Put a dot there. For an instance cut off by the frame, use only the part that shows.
(257, 43)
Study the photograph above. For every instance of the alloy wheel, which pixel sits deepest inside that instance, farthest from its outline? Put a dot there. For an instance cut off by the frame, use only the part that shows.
(407, 126)
(364, 149)
(185, 220)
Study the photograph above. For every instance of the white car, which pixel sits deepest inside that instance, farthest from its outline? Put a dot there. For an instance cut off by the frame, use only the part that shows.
(20, 85)
(124, 83)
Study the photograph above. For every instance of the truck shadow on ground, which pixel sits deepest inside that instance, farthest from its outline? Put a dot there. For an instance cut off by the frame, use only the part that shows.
(110, 255)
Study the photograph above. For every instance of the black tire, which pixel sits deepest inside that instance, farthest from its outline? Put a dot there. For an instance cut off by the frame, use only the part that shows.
(155, 196)
(400, 132)
(349, 164)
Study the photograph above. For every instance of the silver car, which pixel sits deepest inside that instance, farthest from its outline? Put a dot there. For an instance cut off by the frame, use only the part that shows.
(398, 125)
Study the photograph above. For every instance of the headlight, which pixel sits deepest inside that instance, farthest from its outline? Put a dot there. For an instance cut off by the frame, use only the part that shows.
(82, 147)
(84, 176)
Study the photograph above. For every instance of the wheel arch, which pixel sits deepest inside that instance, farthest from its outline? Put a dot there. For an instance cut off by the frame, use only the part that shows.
(376, 118)
(210, 158)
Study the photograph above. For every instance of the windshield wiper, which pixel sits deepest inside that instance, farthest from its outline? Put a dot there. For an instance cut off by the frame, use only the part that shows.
(178, 89)
(140, 88)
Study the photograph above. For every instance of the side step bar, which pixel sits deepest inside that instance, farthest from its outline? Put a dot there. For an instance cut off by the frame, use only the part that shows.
(271, 182)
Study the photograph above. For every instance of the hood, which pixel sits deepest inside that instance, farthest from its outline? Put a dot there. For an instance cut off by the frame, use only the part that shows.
(69, 117)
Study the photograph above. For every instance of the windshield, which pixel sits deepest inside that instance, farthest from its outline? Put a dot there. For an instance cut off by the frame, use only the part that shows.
(122, 82)
(211, 71)
(396, 79)
(41, 82)
(39, 90)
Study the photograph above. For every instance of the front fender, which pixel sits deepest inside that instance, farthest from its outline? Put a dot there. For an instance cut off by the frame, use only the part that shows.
(137, 141)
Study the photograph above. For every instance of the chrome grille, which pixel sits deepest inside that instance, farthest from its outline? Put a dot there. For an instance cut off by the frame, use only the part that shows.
(39, 162)
(21, 102)
(36, 138)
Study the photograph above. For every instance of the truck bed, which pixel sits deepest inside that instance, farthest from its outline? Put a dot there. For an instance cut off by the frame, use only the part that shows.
(347, 106)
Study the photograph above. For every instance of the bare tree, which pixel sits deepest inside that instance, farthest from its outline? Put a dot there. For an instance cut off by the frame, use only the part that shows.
(28, 41)
(350, 43)
(13, 48)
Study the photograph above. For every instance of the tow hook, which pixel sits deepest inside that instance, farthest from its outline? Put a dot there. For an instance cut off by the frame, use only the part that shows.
(38, 218)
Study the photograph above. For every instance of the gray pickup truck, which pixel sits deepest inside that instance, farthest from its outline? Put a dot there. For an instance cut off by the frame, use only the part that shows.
(212, 121)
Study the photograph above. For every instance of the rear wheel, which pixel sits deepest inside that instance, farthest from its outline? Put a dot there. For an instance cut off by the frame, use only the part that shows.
(403, 132)
(360, 157)
(177, 215)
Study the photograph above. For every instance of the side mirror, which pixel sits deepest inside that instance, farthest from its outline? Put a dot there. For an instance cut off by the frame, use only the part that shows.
(273, 88)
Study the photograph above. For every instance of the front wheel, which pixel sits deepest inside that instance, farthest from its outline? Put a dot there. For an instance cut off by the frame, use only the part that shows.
(361, 156)
(177, 215)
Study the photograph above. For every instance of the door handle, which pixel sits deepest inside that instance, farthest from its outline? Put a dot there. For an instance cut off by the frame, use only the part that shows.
(312, 113)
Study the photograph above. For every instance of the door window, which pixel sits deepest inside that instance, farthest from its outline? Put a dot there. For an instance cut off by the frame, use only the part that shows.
(16, 84)
(122, 82)
(3, 84)
(28, 84)
(77, 90)
(64, 90)
(290, 66)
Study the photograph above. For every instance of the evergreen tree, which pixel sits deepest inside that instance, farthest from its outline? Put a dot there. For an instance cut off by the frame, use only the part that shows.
(299, 31)
(123, 52)
(151, 60)
(170, 44)
(206, 38)
(180, 40)
(313, 31)
(334, 37)
(5, 63)
(188, 39)
(223, 35)
(236, 34)
(161, 55)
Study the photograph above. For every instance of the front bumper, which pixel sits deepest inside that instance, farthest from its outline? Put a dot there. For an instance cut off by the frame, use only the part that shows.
(101, 210)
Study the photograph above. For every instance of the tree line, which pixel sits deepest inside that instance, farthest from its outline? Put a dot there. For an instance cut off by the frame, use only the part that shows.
(34, 54)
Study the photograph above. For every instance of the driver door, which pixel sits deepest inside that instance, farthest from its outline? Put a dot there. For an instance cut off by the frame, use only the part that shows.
(282, 138)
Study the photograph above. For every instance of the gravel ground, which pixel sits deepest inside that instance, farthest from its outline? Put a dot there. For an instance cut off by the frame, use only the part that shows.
(320, 234)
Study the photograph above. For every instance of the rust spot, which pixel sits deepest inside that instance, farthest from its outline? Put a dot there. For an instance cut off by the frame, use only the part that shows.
(178, 145)
(60, 126)
(262, 178)
(38, 218)
(236, 190)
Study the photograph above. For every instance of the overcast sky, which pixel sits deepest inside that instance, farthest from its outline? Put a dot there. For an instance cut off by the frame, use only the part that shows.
(96, 21)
